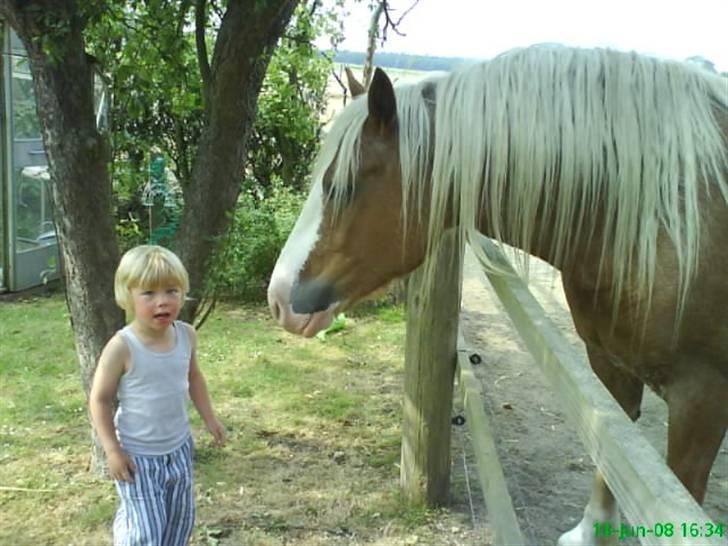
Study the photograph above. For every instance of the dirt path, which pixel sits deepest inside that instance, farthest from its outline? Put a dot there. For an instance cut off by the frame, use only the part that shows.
(548, 471)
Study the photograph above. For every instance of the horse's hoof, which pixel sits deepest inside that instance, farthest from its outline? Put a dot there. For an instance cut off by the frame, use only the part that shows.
(575, 537)
(584, 535)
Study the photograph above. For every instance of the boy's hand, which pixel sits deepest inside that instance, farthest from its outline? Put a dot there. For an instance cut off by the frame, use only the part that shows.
(121, 466)
(215, 428)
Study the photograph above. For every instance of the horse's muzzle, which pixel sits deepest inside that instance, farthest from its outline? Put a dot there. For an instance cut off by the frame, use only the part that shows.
(312, 296)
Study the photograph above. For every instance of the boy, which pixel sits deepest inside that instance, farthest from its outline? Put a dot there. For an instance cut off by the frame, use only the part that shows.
(150, 366)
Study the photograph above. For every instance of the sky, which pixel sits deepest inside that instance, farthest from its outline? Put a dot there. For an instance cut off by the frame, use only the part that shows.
(483, 28)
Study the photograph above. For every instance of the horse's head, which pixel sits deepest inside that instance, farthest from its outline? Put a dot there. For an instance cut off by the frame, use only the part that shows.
(350, 237)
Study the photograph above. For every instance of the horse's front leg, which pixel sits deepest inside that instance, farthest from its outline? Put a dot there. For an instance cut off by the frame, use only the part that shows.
(602, 508)
(698, 419)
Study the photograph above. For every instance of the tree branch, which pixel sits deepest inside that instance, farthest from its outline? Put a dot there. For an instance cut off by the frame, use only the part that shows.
(389, 23)
(382, 8)
(373, 34)
(200, 27)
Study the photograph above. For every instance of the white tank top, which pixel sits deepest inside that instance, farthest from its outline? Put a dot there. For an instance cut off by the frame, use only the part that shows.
(153, 395)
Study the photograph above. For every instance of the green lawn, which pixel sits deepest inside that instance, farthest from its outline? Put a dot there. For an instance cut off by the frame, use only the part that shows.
(313, 425)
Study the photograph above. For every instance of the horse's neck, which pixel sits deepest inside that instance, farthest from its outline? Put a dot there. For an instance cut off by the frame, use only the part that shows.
(582, 259)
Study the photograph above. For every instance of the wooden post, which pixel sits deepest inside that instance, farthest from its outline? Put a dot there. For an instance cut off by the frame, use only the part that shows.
(430, 359)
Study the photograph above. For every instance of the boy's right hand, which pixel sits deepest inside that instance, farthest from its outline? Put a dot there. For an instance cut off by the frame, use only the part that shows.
(121, 467)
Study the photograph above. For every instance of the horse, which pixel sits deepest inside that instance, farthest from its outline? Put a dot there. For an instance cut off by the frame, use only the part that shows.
(611, 166)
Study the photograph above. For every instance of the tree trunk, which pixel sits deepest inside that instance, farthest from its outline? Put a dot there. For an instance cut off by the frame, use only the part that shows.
(77, 158)
(372, 38)
(243, 49)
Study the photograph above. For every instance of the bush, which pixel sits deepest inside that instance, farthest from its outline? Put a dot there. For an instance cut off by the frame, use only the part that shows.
(259, 229)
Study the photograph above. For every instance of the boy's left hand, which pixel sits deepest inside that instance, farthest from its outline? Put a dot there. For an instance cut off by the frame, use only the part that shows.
(215, 428)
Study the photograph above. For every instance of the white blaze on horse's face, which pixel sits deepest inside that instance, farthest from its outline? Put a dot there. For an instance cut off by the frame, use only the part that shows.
(286, 273)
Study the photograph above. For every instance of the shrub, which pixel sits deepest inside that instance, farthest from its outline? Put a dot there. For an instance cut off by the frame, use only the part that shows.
(258, 231)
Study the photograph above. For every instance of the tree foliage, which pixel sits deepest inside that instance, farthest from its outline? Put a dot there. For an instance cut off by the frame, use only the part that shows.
(152, 61)
(147, 50)
(287, 128)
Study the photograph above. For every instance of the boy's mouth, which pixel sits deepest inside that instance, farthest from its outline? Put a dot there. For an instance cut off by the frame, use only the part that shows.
(161, 315)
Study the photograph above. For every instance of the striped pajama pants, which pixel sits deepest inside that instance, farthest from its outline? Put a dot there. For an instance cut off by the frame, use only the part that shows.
(157, 508)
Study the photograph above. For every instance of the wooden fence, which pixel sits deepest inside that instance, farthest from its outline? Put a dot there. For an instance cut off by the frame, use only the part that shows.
(647, 491)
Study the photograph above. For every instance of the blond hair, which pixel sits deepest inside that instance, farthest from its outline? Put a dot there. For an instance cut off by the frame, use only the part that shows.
(148, 266)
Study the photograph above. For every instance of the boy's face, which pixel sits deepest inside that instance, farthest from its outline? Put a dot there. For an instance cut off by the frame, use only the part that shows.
(157, 307)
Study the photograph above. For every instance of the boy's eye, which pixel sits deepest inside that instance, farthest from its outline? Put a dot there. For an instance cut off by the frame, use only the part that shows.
(174, 291)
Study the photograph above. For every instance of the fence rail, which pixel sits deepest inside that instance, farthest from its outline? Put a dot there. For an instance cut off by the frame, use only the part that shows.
(646, 489)
(490, 472)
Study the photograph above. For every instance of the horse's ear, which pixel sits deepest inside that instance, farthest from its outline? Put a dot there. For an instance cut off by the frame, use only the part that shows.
(382, 104)
(355, 88)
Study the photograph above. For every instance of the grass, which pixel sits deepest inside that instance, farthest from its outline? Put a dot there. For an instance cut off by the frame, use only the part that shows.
(313, 434)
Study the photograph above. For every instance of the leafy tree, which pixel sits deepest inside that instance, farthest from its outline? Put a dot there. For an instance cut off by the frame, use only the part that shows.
(258, 231)
(159, 107)
(54, 35)
(284, 139)
(150, 56)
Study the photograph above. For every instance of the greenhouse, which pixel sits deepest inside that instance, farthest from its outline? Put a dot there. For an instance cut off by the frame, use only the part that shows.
(28, 245)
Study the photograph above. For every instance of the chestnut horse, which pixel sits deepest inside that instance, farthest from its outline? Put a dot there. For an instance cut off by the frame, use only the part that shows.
(611, 166)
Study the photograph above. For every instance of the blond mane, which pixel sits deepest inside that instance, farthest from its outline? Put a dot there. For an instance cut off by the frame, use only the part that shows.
(574, 129)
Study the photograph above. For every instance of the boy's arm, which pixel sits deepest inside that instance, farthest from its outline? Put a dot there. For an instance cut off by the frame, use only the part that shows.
(199, 395)
(103, 391)
(101, 405)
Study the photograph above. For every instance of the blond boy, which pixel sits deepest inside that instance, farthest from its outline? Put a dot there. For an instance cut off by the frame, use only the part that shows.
(151, 367)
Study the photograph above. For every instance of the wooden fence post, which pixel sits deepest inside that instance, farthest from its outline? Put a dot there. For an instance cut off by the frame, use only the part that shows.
(430, 359)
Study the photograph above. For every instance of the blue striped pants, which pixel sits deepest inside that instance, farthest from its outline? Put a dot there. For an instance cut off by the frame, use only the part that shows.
(158, 507)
